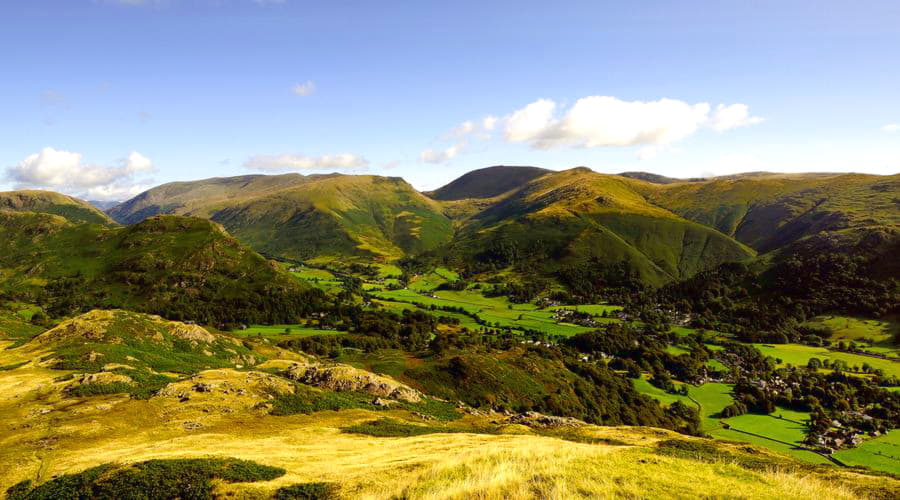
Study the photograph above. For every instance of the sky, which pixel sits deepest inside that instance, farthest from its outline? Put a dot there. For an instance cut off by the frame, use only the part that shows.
(105, 98)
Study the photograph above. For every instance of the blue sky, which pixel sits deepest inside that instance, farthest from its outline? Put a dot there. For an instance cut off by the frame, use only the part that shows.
(103, 98)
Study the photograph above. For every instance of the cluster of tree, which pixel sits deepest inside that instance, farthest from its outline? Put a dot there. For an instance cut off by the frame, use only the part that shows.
(595, 280)
(205, 298)
(371, 330)
(506, 373)
(771, 307)
(637, 350)
(519, 292)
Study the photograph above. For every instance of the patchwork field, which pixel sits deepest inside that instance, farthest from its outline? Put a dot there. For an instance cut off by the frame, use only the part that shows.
(782, 432)
(881, 453)
(799, 355)
(495, 312)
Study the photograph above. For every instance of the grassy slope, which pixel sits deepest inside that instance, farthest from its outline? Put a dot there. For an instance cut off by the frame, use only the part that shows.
(162, 265)
(47, 434)
(48, 202)
(770, 211)
(578, 214)
(304, 217)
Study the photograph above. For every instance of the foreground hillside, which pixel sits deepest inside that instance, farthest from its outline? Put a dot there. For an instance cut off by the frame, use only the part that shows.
(184, 268)
(304, 217)
(290, 426)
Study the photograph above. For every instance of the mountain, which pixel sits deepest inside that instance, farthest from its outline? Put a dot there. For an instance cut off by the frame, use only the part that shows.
(49, 202)
(181, 268)
(770, 211)
(104, 204)
(304, 217)
(575, 216)
(657, 179)
(487, 182)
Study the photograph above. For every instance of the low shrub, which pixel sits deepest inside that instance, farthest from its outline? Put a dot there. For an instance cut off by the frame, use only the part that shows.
(150, 480)
(307, 491)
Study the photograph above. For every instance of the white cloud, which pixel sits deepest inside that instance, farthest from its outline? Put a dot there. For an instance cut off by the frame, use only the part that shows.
(304, 89)
(604, 121)
(295, 162)
(734, 116)
(489, 122)
(531, 121)
(891, 128)
(64, 171)
(440, 156)
(464, 129)
(137, 162)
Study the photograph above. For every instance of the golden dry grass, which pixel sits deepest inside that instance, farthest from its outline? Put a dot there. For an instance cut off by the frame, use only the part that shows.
(43, 434)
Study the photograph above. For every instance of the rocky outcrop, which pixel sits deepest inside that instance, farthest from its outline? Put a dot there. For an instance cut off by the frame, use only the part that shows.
(534, 419)
(338, 377)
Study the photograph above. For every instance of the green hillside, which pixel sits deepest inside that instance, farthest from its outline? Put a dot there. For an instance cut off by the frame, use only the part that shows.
(577, 215)
(189, 198)
(769, 211)
(49, 202)
(181, 268)
(305, 217)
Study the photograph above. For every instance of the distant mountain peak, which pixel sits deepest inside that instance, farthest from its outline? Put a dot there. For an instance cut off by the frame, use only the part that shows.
(487, 182)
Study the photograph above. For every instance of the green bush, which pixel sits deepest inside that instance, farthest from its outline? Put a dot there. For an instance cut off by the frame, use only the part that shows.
(306, 491)
(151, 480)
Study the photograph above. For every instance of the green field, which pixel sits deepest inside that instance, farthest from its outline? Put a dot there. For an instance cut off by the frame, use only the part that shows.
(643, 386)
(783, 435)
(676, 350)
(799, 355)
(593, 309)
(319, 278)
(881, 453)
(855, 329)
(388, 271)
(709, 399)
(497, 312)
(277, 332)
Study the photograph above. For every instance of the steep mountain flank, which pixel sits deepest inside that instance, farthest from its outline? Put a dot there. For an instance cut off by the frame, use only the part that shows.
(570, 217)
(770, 211)
(304, 217)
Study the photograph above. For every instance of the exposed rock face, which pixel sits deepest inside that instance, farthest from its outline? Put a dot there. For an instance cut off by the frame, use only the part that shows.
(539, 420)
(338, 377)
(100, 378)
(190, 332)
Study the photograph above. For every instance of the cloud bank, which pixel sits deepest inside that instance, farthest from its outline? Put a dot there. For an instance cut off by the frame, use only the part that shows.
(65, 171)
(604, 121)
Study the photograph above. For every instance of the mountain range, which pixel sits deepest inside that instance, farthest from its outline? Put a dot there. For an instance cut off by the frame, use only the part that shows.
(537, 219)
